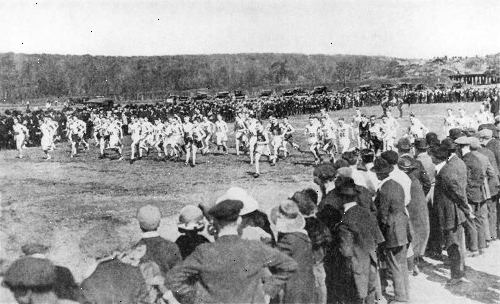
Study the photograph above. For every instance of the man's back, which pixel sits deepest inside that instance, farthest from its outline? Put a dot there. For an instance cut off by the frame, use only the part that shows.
(230, 270)
(161, 251)
(115, 282)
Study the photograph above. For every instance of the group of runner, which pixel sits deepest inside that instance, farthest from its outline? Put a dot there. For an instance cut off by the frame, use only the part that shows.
(173, 137)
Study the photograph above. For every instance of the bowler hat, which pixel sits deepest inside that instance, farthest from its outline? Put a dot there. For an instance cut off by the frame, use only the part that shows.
(325, 171)
(448, 144)
(421, 144)
(390, 156)
(403, 143)
(380, 165)
(346, 187)
(30, 272)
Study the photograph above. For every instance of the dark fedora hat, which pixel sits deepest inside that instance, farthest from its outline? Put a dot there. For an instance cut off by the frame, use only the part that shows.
(448, 144)
(346, 187)
(380, 165)
(406, 164)
(421, 144)
(455, 133)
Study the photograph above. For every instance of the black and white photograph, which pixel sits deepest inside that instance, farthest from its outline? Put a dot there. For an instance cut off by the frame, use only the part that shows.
(249, 151)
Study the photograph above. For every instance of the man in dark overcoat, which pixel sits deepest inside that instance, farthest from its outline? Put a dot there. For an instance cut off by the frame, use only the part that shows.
(393, 222)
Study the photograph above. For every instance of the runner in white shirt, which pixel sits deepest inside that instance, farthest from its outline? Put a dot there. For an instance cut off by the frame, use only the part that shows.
(328, 136)
(208, 129)
(251, 124)
(416, 129)
(76, 132)
(313, 133)
(464, 121)
(261, 146)
(388, 134)
(450, 121)
(114, 132)
(483, 116)
(158, 138)
(147, 137)
(344, 135)
(240, 132)
(134, 128)
(221, 130)
(47, 136)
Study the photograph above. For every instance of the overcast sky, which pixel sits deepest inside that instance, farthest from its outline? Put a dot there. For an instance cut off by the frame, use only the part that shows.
(401, 28)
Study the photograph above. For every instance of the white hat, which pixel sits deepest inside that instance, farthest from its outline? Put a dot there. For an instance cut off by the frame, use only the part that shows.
(237, 193)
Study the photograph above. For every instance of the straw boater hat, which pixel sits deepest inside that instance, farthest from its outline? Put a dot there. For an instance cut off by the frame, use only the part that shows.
(237, 193)
(287, 217)
(191, 218)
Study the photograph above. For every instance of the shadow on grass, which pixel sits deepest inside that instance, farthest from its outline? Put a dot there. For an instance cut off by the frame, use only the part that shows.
(483, 287)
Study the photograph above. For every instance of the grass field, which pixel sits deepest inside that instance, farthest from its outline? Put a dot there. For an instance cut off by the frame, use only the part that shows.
(57, 201)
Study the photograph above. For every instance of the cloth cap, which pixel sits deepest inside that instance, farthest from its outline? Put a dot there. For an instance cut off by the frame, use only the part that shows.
(485, 133)
(240, 194)
(463, 140)
(474, 143)
(30, 272)
(390, 156)
(304, 203)
(191, 218)
(403, 143)
(380, 165)
(34, 248)
(344, 172)
(226, 210)
(149, 217)
(287, 217)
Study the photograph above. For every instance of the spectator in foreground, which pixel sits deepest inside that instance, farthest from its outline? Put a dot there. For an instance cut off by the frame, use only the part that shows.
(231, 269)
(112, 281)
(191, 223)
(32, 281)
(294, 241)
(164, 253)
(64, 286)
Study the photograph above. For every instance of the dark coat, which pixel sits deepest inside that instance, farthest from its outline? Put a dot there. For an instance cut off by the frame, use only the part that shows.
(419, 216)
(358, 236)
(421, 173)
(493, 182)
(114, 282)
(450, 197)
(475, 178)
(494, 146)
(300, 287)
(188, 242)
(65, 286)
(164, 253)
(231, 270)
(391, 216)
(428, 165)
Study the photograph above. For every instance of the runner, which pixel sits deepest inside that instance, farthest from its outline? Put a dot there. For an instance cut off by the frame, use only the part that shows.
(208, 129)
(344, 135)
(251, 125)
(46, 128)
(416, 129)
(276, 131)
(134, 128)
(240, 132)
(450, 121)
(21, 134)
(464, 121)
(114, 133)
(288, 136)
(328, 137)
(262, 146)
(221, 130)
(312, 131)
(483, 116)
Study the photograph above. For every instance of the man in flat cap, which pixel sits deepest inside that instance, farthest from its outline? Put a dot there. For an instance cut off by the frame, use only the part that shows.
(231, 270)
(32, 280)
(404, 148)
(476, 197)
(393, 222)
(450, 202)
(65, 286)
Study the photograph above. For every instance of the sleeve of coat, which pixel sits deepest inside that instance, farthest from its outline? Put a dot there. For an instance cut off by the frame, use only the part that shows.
(177, 277)
(282, 267)
(382, 204)
(346, 241)
(455, 188)
(424, 178)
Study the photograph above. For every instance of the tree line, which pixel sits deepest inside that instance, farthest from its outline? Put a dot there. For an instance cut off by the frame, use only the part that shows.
(25, 76)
